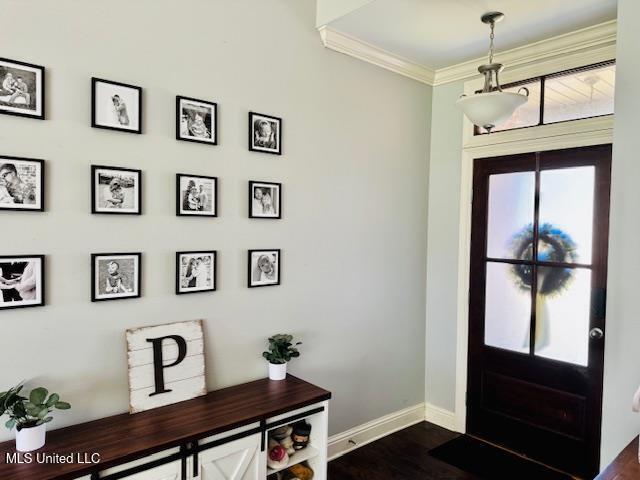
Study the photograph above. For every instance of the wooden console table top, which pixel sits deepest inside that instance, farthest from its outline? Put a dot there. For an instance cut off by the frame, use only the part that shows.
(625, 466)
(123, 438)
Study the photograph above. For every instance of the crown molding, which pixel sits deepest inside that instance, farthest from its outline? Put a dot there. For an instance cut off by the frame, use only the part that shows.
(577, 42)
(583, 40)
(343, 43)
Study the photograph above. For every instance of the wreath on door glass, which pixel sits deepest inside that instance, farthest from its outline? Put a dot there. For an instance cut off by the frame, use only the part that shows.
(554, 245)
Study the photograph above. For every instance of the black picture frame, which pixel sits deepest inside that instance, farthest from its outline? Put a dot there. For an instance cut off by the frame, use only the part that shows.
(42, 302)
(250, 283)
(252, 184)
(214, 253)
(95, 210)
(180, 211)
(252, 147)
(41, 164)
(94, 124)
(42, 70)
(214, 121)
(97, 256)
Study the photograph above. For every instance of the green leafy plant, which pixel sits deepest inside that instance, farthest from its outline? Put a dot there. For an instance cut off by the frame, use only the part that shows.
(29, 412)
(281, 349)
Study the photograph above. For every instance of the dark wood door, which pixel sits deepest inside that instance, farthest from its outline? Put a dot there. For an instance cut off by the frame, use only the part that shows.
(537, 304)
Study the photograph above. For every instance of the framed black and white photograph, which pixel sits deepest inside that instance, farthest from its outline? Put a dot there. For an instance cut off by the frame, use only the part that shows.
(196, 120)
(116, 106)
(116, 190)
(115, 276)
(196, 195)
(196, 271)
(265, 200)
(264, 268)
(22, 91)
(21, 184)
(21, 281)
(265, 133)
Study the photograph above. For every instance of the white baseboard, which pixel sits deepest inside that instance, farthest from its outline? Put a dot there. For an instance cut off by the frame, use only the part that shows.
(440, 416)
(355, 437)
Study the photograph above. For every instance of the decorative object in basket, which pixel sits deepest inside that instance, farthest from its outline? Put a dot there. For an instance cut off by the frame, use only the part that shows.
(281, 350)
(166, 364)
(29, 415)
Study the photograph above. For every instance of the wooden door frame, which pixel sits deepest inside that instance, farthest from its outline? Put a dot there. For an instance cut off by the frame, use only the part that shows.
(598, 137)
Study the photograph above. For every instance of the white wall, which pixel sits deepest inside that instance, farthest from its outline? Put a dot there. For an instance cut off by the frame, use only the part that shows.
(442, 240)
(354, 170)
(622, 358)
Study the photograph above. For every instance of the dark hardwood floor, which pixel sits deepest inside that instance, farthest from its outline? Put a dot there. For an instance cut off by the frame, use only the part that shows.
(403, 455)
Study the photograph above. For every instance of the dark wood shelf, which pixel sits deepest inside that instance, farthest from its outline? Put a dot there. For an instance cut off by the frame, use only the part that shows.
(123, 438)
(625, 466)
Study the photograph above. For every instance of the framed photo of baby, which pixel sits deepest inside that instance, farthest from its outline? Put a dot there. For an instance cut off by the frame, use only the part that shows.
(116, 190)
(196, 120)
(115, 276)
(21, 184)
(116, 106)
(264, 268)
(196, 271)
(21, 89)
(265, 200)
(196, 195)
(21, 281)
(265, 133)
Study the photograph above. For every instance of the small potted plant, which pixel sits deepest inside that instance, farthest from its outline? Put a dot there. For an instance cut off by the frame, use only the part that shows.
(29, 415)
(281, 350)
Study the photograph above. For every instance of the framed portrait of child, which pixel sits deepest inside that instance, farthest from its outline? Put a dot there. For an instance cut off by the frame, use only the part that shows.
(196, 195)
(264, 268)
(196, 120)
(196, 271)
(21, 89)
(265, 200)
(115, 276)
(265, 133)
(21, 184)
(116, 106)
(116, 190)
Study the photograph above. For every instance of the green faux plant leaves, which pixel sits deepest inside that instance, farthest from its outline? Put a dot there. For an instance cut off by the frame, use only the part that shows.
(29, 412)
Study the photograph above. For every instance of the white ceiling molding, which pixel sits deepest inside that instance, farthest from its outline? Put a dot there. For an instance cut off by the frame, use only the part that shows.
(585, 39)
(354, 47)
(581, 42)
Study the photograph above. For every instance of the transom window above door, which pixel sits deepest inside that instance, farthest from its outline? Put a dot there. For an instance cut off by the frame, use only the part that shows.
(575, 94)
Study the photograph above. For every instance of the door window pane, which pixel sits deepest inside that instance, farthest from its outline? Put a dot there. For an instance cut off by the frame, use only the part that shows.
(511, 208)
(566, 215)
(528, 114)
(562, 314)
(584, 94)
(508, 306)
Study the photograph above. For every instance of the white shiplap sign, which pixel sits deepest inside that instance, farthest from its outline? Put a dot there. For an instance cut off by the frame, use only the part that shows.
(166, 364)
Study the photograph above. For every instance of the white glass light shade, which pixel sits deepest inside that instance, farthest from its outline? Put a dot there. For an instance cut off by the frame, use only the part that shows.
(489, 109)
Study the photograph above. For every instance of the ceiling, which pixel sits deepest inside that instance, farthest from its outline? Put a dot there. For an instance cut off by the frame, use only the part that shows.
(440, 33)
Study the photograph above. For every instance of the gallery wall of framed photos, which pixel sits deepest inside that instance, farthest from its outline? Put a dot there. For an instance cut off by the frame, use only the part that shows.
(178, 194)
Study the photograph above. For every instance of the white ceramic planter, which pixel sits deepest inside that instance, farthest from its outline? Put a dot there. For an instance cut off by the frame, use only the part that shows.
(277, 371)
(29, 439)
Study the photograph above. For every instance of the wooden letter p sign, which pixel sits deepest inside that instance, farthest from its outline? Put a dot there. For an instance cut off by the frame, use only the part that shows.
(166, 364)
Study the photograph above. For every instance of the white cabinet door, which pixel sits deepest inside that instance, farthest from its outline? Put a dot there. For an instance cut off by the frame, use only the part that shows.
(168, 471)
(237, 460)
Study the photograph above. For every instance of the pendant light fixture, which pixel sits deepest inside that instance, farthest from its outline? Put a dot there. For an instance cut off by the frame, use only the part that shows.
(491, 106)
